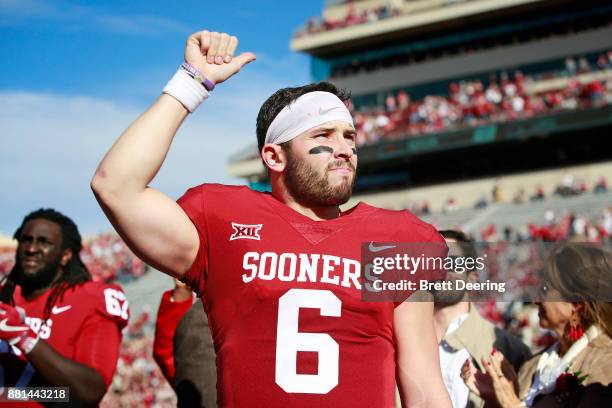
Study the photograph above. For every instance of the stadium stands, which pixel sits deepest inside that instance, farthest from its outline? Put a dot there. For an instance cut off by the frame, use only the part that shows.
(351, 18)
(138, 382)
(519, 216)
(109, 259)
(468, 193)
(471, 103)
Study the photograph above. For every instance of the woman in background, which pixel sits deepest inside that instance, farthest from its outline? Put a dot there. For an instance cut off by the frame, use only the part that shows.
(576, 371)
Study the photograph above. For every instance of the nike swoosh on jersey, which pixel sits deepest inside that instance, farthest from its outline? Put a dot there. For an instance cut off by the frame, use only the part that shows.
(6, 328)
(58, 310)
(374, 248)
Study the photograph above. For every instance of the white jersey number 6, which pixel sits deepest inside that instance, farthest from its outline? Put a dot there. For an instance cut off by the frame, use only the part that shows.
(289, 341)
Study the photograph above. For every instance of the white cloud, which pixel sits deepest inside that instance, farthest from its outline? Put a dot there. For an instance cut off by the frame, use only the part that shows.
(78, 18)
(51, 144)
(139, 24)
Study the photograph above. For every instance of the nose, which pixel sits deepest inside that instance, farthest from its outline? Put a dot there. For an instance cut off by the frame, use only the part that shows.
(343, 149)
(30, 247)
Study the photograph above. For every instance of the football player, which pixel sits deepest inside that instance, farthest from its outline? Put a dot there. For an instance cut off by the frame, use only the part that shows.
(57, 327)
(279, 274)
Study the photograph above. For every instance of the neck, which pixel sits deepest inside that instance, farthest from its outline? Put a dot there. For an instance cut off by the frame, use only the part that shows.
(564, 343)
(444, 315)
(317, 213)
(31, 293)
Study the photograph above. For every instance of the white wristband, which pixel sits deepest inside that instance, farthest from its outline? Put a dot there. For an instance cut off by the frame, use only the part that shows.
(189, 92)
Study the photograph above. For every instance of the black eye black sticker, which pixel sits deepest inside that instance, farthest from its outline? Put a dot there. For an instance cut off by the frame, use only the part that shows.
(321, 149)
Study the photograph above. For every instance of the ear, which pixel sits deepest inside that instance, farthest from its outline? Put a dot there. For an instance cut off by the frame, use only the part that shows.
(66, 257)
(273, 157)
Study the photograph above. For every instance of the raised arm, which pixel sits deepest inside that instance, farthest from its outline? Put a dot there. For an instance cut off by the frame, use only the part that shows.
(150, 222)
(419, 379)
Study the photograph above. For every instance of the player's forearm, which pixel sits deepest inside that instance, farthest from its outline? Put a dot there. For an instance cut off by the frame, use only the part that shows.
(84, 383)
(138, 154)
(419, 377)
(419, 387)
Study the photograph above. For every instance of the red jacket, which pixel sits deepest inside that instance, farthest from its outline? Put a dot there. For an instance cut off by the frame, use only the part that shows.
(168, 316)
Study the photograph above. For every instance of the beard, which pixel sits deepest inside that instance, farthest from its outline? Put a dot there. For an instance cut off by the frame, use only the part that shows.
(40, 279)
(445, 298)
(311, 188)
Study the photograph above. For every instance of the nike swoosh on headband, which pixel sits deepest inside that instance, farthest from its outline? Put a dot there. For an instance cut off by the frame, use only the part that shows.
(324, 111)
(306, 112)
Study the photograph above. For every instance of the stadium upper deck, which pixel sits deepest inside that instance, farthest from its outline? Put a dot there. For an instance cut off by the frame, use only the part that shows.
(353, 24)
(373, 47)
(428, 57)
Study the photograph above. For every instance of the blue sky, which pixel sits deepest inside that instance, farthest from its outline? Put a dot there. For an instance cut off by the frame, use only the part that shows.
(75, 74)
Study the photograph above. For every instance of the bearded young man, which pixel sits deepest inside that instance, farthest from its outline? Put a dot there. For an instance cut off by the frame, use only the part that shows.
(279, 273)
(57, 327)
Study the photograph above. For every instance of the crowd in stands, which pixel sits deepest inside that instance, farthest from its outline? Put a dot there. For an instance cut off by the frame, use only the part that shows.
(106, 256)
(109, 259)
(7, 260)
(520, 319)
(555, 227)
(565, 225)
(138, 382)
(471, 103)
(352, 17)
(569, 186)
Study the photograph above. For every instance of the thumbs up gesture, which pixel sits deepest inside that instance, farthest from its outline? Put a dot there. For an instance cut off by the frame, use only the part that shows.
(213, 54)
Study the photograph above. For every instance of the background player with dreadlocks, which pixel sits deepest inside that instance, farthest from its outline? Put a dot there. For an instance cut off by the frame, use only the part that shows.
(57, 327)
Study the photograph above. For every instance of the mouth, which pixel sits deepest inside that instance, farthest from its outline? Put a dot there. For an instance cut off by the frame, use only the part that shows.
(342, 170)
(30, 262)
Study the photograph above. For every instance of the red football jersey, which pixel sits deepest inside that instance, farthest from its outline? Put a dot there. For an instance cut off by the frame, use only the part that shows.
(283, 297)
(169, 315)
(84, 326)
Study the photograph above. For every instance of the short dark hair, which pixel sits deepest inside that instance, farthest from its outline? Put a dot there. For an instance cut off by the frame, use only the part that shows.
(283, 97)
(465, 243)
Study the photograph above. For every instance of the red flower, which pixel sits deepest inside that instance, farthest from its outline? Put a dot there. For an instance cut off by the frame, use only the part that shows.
(568, 387)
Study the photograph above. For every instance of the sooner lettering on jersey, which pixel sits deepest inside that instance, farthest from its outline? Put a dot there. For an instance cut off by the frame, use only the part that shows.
(284, 300)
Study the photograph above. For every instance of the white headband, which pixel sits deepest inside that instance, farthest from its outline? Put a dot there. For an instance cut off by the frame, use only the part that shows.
(307, 111)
